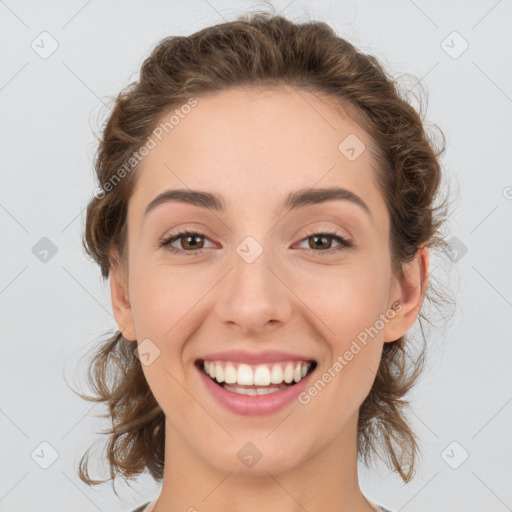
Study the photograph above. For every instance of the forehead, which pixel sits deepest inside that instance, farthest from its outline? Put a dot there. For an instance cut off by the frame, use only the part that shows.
(253, 146)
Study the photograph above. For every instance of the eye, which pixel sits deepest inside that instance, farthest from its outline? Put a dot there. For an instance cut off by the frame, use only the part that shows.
(322, 239)
(188, 238)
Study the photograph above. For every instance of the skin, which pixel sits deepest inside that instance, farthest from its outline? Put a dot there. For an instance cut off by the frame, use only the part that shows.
(254, 147)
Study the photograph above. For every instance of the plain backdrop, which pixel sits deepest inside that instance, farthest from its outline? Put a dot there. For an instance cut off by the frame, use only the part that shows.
(60, 64)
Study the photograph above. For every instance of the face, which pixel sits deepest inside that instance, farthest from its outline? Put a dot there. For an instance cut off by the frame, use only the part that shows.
(259, 278)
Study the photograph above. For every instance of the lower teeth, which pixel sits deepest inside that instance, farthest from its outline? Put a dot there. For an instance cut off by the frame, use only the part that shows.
(254, 390)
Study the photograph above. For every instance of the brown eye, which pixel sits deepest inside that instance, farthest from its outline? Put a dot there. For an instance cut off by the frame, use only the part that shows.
(320, 243)
(188, 241)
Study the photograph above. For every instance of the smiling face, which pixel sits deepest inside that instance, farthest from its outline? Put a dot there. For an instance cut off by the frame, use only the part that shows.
(263, 277)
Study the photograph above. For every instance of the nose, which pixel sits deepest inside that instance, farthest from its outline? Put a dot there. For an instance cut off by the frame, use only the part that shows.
(254, 297)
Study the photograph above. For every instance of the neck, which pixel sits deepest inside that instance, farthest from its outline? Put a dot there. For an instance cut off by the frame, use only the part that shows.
(327, 481)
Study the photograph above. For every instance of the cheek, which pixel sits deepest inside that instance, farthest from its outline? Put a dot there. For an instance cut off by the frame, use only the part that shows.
(350, 302)
(347, 299)
(159, 297)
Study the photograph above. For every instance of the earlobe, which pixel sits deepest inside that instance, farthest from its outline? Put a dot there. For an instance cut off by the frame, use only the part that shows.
(412, 290)
(121, 304)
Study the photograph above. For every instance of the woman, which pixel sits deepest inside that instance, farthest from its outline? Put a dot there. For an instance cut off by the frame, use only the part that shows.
(265, 214)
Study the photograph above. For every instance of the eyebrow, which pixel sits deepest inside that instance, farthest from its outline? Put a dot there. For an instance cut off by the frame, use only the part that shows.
(294, 200)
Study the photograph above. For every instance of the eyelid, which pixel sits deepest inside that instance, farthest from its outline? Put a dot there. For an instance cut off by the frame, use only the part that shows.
(195, 228)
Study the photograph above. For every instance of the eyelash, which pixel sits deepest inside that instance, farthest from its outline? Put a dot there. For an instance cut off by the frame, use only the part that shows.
(345, 244)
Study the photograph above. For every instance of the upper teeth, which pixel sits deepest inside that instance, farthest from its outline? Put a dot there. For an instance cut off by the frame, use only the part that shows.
(256, 375)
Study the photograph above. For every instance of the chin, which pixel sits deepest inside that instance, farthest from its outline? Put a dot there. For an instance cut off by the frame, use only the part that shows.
(249, 460)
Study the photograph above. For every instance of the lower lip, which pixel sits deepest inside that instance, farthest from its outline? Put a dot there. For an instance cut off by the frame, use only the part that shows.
(253, 405)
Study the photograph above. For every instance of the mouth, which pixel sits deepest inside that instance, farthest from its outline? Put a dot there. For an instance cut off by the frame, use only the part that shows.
(261, 379)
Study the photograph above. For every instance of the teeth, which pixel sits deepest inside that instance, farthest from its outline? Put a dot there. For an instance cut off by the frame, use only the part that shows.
(256, 375)
(244, 375)
(276, 376)
(252, 391)
(288, 373)
(219, 372)
(229, 374)
(297, 373)
(261, 376)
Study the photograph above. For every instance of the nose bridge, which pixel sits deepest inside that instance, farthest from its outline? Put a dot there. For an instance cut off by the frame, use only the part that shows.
(251, 274)
(253, 294)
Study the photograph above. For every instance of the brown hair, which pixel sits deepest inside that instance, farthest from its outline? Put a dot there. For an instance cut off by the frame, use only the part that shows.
(253, 51)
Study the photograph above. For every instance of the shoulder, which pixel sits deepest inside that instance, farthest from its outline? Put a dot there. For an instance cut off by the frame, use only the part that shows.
(141, 508)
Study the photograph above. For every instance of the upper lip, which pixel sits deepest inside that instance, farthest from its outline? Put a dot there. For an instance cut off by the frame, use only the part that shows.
(266, 356)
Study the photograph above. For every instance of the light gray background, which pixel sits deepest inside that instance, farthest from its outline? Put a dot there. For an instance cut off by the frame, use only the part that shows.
(53, 311)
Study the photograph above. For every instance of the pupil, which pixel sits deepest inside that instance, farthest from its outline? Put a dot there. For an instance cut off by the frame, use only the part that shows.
(189, 238)
(317, 237)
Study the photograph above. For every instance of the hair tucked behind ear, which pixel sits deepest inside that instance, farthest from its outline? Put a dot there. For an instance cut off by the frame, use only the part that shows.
(254, 51)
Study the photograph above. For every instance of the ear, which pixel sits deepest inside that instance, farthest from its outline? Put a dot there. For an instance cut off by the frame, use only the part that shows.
(409, 294)
(120, 302)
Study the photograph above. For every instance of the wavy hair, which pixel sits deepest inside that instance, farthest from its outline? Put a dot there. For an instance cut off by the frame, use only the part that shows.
(264, 50)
